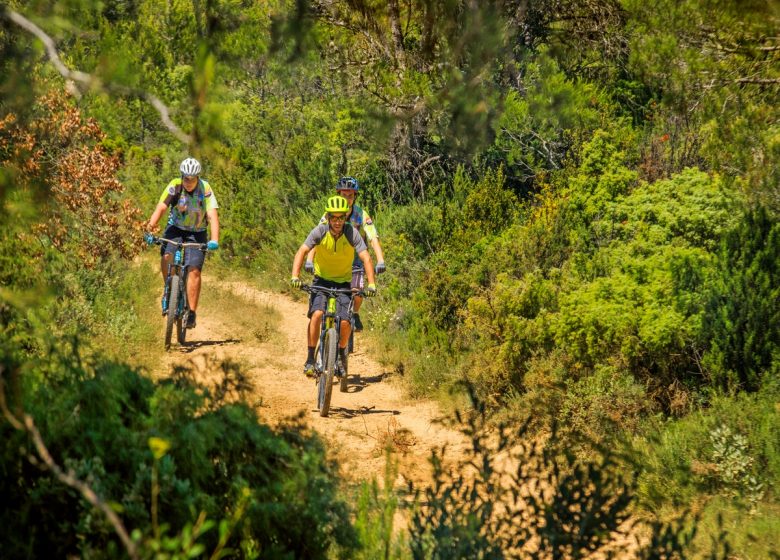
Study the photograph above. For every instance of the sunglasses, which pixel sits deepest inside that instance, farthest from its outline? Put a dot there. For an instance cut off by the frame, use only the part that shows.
(337, 218)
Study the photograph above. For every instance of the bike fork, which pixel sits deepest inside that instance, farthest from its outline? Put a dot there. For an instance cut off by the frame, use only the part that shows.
(166, 293)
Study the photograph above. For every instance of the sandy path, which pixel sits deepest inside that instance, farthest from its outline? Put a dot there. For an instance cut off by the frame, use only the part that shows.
(361, 421)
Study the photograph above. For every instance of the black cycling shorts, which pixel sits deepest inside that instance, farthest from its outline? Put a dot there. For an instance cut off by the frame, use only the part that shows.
(318, 301)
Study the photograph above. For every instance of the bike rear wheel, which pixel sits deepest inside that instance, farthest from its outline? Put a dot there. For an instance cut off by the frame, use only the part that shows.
(351, 350)
(343, 384)
(325, 378)
(173, 310)
(181, 329)
(183, 315)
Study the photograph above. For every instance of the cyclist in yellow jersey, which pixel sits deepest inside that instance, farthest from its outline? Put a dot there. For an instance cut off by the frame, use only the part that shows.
(193, 209)
(348, 187)
(337, 243)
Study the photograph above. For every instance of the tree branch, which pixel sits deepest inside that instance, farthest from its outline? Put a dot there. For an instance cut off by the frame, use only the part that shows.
(766, 81)
(74, 77)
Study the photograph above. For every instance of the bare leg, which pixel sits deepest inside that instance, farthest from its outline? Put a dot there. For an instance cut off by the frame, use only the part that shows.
(314, 327)
(193, 288)
(345, 328)
(164, 262)
(357, 303)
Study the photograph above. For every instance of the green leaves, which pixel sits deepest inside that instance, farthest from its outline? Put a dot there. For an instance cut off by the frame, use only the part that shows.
(742, 327)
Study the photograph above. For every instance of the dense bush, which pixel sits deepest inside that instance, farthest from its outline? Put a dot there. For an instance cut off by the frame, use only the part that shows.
(511, 498)
(97, 419)
(741, 330)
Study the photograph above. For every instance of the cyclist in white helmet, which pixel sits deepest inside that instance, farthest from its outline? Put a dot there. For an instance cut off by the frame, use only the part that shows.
(193, 210)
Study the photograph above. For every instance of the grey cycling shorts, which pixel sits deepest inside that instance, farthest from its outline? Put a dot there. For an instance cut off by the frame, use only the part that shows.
(193, 257)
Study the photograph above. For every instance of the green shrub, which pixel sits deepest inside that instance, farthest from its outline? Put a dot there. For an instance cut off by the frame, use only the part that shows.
(376, 510)
(510, 498)
(604, 403)
(730, 448)
(96, 418)
(742, 320)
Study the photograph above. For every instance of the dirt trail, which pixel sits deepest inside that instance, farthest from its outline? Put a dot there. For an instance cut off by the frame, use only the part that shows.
(361, 420)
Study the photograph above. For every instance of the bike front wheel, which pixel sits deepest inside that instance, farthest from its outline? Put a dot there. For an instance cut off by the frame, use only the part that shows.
(325, 378)
(173, 310)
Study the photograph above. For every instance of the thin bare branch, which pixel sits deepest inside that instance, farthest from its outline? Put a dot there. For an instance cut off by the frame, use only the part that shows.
(766, 81)
(74, 77)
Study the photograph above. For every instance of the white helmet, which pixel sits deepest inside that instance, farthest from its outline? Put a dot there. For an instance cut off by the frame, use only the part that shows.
(190, 167)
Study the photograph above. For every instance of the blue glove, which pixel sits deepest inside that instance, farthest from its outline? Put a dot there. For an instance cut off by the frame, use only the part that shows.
(295, 282)
(308, 266)
(212, 245)
(149, 238)
(380, 267)
(370, 290)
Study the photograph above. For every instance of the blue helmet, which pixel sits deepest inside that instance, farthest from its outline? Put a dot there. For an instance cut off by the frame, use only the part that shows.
(348, 184)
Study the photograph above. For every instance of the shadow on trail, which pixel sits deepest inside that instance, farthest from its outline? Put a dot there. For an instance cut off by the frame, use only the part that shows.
(189, 346)
(358, 383)
(341, 412)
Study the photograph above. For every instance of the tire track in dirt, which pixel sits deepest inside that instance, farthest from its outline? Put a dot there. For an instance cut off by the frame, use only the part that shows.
(373, 413)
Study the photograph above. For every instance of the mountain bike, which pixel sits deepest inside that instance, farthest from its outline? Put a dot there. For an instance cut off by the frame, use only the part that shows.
(175, 307)
(328, 362)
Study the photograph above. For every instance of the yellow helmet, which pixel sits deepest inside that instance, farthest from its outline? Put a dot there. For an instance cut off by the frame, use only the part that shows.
(337, 204)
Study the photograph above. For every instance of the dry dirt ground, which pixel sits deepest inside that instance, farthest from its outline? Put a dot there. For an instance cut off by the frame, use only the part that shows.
(362, 422)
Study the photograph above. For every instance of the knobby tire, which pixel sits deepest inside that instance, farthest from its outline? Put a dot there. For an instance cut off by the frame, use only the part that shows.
(173, 305)
(181, 329)
(351, 348)
(181, 322)
(325, 379)
(344, 375)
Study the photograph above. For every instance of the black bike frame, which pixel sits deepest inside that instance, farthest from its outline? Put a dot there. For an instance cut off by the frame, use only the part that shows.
(330, 318)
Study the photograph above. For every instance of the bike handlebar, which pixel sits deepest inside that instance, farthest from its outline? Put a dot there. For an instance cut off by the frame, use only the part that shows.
(331, 291)
(161, 240)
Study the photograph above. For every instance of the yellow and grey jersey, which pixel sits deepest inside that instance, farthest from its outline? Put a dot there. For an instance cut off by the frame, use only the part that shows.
(334, 256)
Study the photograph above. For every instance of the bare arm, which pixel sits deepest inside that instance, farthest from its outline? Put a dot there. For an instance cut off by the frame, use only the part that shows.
(298, 260)
(368, 265)
(380, 255)
(214, 224)
(156, 215)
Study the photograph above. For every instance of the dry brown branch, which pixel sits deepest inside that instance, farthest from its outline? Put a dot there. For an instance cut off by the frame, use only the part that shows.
(765, 81)
(74, 77)
(28, 425)
(394, 437)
